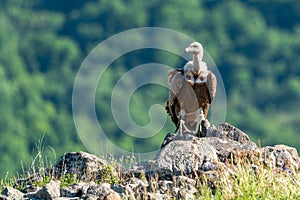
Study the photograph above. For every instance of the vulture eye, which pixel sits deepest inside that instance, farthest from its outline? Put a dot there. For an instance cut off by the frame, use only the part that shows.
(188, 77)
(201, 78)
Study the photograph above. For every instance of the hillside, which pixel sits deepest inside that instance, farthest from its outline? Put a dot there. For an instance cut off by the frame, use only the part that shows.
(254, 45)
(224, 165)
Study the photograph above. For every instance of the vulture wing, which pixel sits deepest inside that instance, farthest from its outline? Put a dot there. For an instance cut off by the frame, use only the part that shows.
(181, 96)
(175, 80)
(172, 74)
(211, 84)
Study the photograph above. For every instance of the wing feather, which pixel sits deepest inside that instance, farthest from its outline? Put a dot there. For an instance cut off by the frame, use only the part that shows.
(211, 84)
(175, 80)
(172, 74)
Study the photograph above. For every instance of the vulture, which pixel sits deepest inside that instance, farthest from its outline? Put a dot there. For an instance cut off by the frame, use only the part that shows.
(192, 90)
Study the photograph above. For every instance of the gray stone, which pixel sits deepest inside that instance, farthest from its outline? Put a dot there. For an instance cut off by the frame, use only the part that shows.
(281, 156)
(2, 197)
(183, 181)
(208, 166)
(183, 156)
(136, 187)
(84, 165)
(119, 188)
(185, 194)
(168, 138)
(136, 182)
(26, 184)
(173, 136)
(226, 147)
(165, 186)
(75, 190)
(156, 196)
(102, 191)
(225, 140)
(187, 187)
(50, 191)
(227, 131)
(12, 193)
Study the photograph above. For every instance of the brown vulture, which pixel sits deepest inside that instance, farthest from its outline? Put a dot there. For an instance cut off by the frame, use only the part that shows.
(192, 90)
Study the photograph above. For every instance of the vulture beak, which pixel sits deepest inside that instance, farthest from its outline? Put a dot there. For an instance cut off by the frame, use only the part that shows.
(187, 50)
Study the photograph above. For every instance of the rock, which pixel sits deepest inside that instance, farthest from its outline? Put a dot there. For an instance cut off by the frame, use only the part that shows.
(2, 197)
(156, 196)
(84, 165)
(183, 181)
(168, 138)
(119, 188)
(225, 139)
(227, 131)
(137, 187)
(186, 187)
(226, 147)
(101, 191)
(26, 184)
(50, 191)
(224, 144)
(136, 182)
(185, 194)
(173, 136)
(208, 166)
(75, 190)
(281, 156)
(183, 156)
(12, 193)
(165, 186)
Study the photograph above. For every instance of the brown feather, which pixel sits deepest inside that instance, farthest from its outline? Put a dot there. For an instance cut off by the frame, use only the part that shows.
(191, 88)
(181, 96)
(203, 97)
(172, 73)
(211, 83)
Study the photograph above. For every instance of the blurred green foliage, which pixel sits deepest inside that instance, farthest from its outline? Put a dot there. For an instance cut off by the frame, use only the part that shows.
(256, 46)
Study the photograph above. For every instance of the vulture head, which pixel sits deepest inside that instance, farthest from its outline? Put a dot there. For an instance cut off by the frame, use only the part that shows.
(196, 49)
(196, 70)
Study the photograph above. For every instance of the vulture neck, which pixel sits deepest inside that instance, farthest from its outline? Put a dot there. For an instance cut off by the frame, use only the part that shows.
(197, 58)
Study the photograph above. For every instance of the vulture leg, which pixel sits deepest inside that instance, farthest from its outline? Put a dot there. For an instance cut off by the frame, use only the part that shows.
(202, 124)
(181, 125)
(200, 118)
(182, 104)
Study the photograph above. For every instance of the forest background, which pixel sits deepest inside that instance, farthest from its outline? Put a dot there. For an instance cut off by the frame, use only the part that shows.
(255, 44)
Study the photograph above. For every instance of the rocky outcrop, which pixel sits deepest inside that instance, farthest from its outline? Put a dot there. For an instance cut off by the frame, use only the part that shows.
(188, 154)
(223, 144)
(84, 166)
(183, 157)
(174, 173)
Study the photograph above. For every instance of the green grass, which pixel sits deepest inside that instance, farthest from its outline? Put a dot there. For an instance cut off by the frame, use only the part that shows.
(244, 182)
